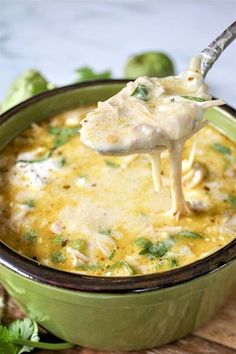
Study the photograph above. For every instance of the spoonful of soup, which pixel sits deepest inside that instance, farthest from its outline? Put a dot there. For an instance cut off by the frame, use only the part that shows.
(150, 115)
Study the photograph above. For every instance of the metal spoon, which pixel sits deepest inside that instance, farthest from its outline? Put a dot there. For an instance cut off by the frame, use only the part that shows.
(210, 54)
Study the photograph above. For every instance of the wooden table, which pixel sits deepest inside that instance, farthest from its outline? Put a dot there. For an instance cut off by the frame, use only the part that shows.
(217, 337)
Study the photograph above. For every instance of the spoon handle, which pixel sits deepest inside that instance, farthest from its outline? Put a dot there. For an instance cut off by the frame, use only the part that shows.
(210, 54)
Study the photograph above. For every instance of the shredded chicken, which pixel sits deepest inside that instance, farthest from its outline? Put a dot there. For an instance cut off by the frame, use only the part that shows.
(195, 175)
(77, 257)
(105, 243)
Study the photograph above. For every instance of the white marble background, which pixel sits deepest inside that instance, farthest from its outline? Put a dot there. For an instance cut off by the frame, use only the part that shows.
(56, 36)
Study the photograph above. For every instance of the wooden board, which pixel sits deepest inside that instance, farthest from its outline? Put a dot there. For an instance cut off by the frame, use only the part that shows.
(216, 337)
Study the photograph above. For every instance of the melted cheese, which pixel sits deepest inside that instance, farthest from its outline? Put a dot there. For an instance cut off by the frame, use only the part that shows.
(86, 214)
(156, 117)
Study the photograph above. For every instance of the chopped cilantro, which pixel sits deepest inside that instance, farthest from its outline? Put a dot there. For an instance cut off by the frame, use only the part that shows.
(60, 240)
(173, 263)
(155, 250)
(143, 242)
(62, 134)
(151, 249)
(30, 203)
(31, 236)
(112, 164)
(78, 244)
(91, 267)
(40, 159)
(222, 149)
(112, 255)
(188, 234)
(193, 98)
(105, 231)
(61, 162)
(141, 92)
(58, 257)
(232, 200)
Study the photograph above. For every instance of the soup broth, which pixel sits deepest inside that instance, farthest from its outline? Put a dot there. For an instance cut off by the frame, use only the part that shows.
(68, 207)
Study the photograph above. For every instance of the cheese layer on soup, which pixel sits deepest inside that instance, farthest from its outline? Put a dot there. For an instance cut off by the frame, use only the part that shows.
(68, 207)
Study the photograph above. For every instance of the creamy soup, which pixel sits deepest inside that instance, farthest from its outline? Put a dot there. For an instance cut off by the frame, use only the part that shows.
(148, 116)
(68, 207)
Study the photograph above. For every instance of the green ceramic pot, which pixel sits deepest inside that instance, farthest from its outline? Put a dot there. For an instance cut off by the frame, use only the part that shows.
(128, 313)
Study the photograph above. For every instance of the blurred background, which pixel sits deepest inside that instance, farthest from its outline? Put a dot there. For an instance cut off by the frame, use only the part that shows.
(56, 37)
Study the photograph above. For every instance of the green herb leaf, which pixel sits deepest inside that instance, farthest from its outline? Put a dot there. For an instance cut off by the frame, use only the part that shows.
(60, 240)
(188, 234)
(157, 250)
(31, 236)
(112, 255)
(4, 334)
(119, 266)
(87, 267)
(61, 162)
(58, 257)
(78, 244)
(86, 74)
(153, 249)
(232, 200)
(30, 203)
(40, 159)
(105, 231)
(22, 336)
(112, 164)
(222, 149)
(63, 134)
(141, 92)
(24, 330)
(173, 263)
(192, 98)
(143, 242)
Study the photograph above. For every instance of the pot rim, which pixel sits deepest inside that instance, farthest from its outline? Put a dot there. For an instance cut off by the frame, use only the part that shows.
(35, 271)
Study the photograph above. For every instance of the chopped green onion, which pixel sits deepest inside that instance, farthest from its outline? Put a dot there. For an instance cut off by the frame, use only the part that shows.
(222, 149)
